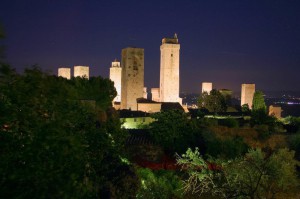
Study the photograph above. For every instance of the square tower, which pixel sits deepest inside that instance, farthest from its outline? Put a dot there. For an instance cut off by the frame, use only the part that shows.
(169, 70)
(132, 77)
(247, 94)
(64, 72)
(115, 74)
(81, 71)
(206, 87)
(155, 94)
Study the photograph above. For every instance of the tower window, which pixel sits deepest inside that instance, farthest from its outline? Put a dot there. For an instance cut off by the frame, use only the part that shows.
(171, 55)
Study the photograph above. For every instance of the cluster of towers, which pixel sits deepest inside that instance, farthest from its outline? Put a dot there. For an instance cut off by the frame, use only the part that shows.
(79, 71)
(247, 92)
(128, 76)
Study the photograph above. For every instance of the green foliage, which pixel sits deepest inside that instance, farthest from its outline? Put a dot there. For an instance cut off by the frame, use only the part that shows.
(209, 122)
(294, 144)
(259, 102)
(227, 149)
(52, 145)
(159, 184)
(173, 131)
(260, 117)
(256, 175)
(245, 108)
(214, 101)
(292, 124)
(229, 122)
(263, 131)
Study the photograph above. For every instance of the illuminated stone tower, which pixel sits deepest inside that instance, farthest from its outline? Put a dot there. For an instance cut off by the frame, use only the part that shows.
(132, 77)
(247, 94)
(64, 72)
(169, 70)
(115, 74)
(206, 87)
(81, 71)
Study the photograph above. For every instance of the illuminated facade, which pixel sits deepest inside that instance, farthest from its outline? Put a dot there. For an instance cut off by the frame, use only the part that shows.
(145, 94)
(275, 111)
(115, 74)
(247, 94)
(206, 87)
(132, 77)
(81, 71)
(169, 70)
(64, 72)
(155, 94)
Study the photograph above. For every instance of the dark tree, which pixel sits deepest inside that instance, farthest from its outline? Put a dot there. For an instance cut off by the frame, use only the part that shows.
(259, 102)
(174, 131)
(53, 144)
(214, 101)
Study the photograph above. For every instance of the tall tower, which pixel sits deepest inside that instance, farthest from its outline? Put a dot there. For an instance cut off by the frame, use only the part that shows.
(115, 74)
(206, 87)
(64, 72)
(247, 94)
(169, 70)
(132, 77)
(81, 71)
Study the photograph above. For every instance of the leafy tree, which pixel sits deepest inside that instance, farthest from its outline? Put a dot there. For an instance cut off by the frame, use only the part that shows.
(174, 131)
(258, 103)
(159, 184)
(214, 101)
(259, 115)
(228, 148)
(294, 144)
(245, 108)
(52, 144)
(256, 175)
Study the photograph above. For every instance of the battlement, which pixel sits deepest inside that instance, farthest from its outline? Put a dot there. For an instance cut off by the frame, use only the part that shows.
(173, 40)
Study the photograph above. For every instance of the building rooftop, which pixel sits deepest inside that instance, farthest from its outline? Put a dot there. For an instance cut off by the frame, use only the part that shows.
(139, 137)
(146, 101)
(165, 106)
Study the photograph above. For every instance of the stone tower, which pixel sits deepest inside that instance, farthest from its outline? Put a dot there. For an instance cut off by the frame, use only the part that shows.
(206, 87)
(247, 94)
(169, 70)
(81, 71)
(132, 77)
(115, 74)
(64, 72)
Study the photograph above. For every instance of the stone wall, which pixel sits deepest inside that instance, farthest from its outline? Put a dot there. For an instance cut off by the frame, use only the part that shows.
(132, 77)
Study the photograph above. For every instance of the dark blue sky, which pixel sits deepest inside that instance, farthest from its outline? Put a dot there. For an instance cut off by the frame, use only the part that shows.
(227, 42)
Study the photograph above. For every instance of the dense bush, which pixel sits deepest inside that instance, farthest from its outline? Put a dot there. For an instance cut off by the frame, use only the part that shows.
(229, 122)
(159, 184)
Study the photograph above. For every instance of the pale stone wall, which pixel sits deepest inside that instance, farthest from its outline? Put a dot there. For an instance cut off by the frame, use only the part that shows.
(185, 108)
(247, 94)
(115, 74)
(64, 72)
(275, 111)
(155, 94)
(81, 71)
(149, 107)
(132, 77)
(145, 94)
(206, 87)
(169, 70)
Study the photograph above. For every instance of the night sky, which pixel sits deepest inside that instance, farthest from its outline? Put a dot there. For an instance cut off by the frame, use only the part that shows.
(227, 42)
